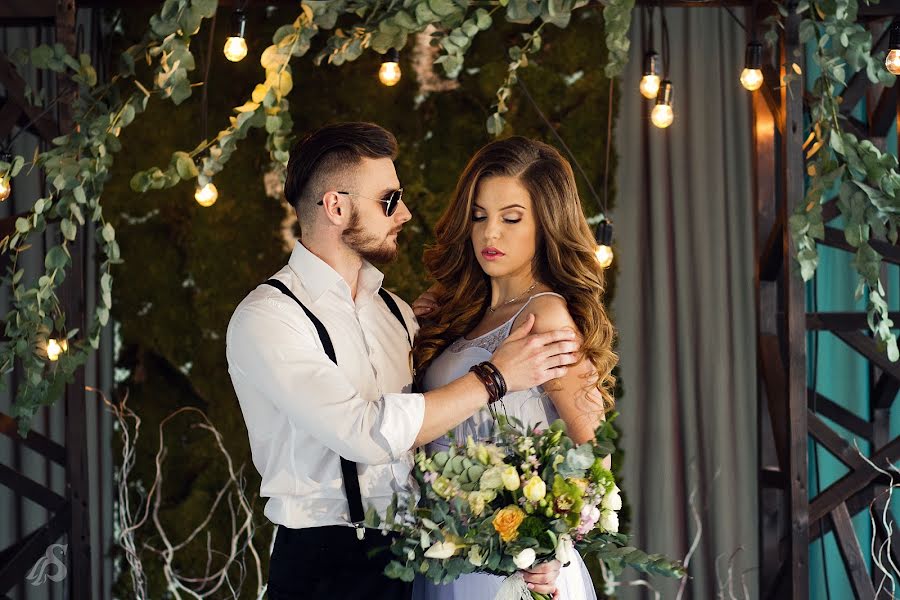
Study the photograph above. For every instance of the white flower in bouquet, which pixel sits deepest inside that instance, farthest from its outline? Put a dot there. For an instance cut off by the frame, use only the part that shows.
(525, 558)
(477, 502)
(441, 550)
(565, 550)
(491, 479)
(476, 557)
(535, 489)
(612, 500)
(609, 521)
(510, 478)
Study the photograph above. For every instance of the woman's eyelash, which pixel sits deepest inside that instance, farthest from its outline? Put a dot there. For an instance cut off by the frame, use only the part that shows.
(478, 219)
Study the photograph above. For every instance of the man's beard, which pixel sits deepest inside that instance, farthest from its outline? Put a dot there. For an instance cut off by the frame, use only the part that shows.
(367, 245)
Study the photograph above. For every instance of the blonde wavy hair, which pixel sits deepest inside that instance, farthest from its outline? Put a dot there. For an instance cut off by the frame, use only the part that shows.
(564, 259)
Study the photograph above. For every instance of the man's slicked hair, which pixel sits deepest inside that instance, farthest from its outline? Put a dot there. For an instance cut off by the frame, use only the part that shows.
(326, 154)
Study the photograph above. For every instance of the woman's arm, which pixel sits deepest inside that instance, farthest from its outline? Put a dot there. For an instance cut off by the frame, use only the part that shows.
(574, 395)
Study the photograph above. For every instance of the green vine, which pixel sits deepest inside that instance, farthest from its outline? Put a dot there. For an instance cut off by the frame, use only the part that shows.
(867, 179)
(78, 165)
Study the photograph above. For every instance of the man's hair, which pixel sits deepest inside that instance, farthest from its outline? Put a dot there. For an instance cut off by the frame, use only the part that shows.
(326, 155)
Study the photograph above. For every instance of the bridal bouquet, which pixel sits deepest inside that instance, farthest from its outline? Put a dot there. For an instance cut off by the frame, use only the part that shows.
(530, 496)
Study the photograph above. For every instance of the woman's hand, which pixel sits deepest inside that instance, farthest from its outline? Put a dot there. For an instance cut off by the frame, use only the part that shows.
(426, 304)
(541, 578)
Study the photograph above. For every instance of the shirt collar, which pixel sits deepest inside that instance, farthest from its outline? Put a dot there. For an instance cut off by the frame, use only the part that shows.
(318, 277)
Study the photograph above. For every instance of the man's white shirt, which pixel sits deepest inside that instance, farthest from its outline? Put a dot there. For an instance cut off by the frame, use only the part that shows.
(302, 411)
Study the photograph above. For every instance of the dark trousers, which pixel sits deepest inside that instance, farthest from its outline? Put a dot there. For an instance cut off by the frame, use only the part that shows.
(330, 562)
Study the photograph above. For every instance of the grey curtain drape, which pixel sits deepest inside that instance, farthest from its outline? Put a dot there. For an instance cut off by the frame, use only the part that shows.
(685, 310)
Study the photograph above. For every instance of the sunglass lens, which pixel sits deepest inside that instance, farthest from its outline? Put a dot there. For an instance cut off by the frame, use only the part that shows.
(393, 201)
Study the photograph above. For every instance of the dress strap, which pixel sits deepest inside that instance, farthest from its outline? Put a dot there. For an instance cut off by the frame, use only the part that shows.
(524, 306)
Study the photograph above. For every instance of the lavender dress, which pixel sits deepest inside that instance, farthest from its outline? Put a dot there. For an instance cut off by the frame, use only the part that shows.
(532, 407)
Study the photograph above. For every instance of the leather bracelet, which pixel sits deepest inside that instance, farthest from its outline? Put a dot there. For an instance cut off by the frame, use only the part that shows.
(487, 380)
(497, 376)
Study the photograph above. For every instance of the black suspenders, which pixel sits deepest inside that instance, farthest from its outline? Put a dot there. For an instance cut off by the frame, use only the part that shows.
(348, 468)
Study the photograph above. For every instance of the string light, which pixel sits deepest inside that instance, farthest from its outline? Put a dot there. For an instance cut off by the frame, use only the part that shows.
(892, 60)
(389, 74)
(236, 45)
(650, 81)
(604, 251)
(752, 75)
(662, 114)
(55, 348)
(206, 195)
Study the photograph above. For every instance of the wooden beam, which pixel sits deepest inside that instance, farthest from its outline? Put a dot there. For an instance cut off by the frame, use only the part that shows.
(30, 489)
(11, 572)
(15, 92)
(830, 210)
(885, 391)
(885, 113)
(835, 238)
(848, 544)
(833, 442)
(861, 500)
(770, 85)
(771, 477)
(870, 351)
(837, 413)
(34, 440)
(775, 381)
(841, 321)
(771, 260)
(853, 481)
(856, 86)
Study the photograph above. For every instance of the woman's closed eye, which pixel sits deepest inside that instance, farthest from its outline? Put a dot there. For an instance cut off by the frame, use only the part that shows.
(480, 218)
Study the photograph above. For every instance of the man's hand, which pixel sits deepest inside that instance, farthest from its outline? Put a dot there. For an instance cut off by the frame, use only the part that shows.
(526, 361)
(542, 578)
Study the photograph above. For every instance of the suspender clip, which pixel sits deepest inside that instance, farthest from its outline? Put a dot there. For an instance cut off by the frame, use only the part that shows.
(360, 531)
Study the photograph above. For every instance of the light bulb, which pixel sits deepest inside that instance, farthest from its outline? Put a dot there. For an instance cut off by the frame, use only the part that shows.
(751, 76)
(604, 256)
(649, 86)
(389, 73)
(892, 60)
(55, 348)
(235, 49)
(650, 81)
(752, 79)
(207, 195)
(5, 188)
(662, 114)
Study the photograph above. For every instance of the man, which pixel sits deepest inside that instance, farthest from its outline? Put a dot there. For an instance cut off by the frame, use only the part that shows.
(319, 359)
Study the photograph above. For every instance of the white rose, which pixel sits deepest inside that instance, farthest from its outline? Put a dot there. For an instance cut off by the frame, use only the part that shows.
(609, 521)
(612, 501)
(511, 479)
(525, 558)
(475, 556)
(564, 549)
(441, 550)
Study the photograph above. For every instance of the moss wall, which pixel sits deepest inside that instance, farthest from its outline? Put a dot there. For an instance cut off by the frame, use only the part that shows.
(187, 267)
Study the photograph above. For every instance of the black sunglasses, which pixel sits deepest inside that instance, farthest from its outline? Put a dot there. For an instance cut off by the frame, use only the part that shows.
(390, 201)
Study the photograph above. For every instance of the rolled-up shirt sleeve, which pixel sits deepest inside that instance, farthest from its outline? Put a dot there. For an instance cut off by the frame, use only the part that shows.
(285, 362)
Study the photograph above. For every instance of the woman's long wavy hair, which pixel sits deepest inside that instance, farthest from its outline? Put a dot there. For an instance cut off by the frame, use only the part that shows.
(564, 258)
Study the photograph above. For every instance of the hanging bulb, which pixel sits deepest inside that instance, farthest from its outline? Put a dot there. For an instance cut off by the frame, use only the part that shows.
(662, 114)
(892, 60)
(5, 188)
(604, 251)
(650, 81)
(236, 45)
(206, 195)
(752, 76)
(389, 73)
(55, 348)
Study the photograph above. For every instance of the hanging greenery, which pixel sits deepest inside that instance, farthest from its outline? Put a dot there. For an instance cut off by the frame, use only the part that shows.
(77, 167)
(866, 178)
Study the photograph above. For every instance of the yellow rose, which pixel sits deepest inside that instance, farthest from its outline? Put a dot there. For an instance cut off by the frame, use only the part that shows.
(507, 521)
(510, 478)
(535, 489)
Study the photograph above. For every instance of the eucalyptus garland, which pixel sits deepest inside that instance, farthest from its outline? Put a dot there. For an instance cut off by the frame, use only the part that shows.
(866, 178)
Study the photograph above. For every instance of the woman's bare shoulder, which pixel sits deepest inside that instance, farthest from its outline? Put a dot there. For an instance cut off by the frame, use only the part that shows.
(550, 312)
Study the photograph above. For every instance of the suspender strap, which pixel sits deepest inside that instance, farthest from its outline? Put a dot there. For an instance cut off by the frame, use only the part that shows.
(348, 468)
(392, 306)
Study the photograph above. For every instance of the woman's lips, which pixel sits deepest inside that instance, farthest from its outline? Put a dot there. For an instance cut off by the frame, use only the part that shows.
(491, 254)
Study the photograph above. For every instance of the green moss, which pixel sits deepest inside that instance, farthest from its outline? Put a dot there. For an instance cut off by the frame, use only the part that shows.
(187, 267)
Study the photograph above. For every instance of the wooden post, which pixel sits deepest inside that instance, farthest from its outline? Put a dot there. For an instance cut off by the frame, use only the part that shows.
(795, 308)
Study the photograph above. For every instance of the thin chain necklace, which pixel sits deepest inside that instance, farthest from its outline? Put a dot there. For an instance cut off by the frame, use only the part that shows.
(511, 300)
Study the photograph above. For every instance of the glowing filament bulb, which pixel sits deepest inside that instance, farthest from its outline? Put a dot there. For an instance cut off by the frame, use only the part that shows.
(5, 188)
(389, 74)
(55, 348)
(662, 114)
(206, 195)
(236, 45)
(650, 81)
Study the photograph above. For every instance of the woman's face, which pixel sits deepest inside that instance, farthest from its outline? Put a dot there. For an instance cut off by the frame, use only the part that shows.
(504, 229)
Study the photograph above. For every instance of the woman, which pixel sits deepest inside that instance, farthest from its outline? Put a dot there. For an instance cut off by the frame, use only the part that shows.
(515, 242)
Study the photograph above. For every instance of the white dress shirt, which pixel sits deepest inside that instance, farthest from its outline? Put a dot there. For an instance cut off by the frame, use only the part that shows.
(302, 411)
